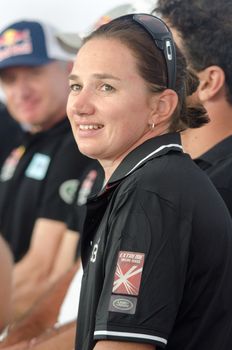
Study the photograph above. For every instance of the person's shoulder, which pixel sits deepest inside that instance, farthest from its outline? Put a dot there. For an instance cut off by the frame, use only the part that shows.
(169, 167)
(171, 175)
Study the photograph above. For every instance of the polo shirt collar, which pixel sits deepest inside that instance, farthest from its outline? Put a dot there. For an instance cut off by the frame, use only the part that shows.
(220, 151)
(152, 148)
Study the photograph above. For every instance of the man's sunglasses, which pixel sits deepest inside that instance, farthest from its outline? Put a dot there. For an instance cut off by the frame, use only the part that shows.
(163, 39)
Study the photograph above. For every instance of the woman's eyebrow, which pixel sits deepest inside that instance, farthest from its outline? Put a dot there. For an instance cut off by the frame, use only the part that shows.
(105, 76)
(96, 75)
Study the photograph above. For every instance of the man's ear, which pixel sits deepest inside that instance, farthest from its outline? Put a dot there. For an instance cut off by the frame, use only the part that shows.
(212, 80)
(164, 106)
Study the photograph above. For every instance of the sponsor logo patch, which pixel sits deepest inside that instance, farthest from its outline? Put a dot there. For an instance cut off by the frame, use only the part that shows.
(15, 42)
(86, 187)
(37, 169)
(68, 190)
(11, 163)
(123, 304)
(128, 274)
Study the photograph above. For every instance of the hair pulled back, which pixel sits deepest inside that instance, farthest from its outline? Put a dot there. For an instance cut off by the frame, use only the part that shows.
(152, 68)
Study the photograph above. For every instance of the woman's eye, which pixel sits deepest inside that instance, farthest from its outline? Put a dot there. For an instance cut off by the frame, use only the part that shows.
(75, 87)
(107, 87)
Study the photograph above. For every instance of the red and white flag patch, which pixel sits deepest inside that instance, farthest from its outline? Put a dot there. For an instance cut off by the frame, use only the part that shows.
(128, 274)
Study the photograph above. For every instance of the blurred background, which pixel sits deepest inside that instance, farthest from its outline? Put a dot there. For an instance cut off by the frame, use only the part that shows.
(68, 15)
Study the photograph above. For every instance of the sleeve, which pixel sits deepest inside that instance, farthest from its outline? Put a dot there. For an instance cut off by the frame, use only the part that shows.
(144, 274)
(62, 181)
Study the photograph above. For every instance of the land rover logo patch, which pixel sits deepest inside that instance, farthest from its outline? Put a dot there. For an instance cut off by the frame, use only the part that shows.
(123, 304)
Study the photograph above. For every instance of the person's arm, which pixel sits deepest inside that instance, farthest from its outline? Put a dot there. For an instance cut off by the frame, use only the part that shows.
(115, 345)
(57, 339)
(54, 339)
(6, 265)
(44, 313)
(30, 277)
(66, 255)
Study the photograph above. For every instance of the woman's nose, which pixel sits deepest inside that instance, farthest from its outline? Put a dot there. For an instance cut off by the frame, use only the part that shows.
(82, 103)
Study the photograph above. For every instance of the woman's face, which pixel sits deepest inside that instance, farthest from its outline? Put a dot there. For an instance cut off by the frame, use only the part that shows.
(109, 106)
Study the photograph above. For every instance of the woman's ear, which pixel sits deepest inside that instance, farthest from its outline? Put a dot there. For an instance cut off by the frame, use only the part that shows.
(212, 80)
(164, 106)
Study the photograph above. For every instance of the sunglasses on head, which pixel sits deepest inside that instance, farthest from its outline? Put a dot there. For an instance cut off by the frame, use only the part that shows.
(163, 39)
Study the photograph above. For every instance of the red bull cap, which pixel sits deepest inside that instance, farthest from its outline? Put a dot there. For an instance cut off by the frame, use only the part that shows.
(31, 43)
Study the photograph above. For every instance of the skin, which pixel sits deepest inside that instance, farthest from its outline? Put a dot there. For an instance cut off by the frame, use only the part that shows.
(36, 96)
(111, 110)
(108, 119)
(42, 317)
(53, 339)
(6, 265)
(29, 272)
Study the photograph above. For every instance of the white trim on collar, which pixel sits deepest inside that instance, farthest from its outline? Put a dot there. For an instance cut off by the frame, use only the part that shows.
(154, 152)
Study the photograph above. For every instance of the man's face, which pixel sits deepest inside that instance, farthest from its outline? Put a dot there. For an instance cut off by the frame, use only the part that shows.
(36, 96)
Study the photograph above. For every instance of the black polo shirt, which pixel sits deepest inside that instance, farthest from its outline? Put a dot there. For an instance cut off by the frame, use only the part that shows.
(157, 255)
(39, 180)
(10, 133)
(217, 163)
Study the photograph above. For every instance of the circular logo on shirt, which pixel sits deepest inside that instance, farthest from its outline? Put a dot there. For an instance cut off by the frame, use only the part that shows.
(68, 189)
(123, 304)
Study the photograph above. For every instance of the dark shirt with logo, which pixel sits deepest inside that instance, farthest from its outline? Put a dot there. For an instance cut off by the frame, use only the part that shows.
(90, 184)
(39, 180)
(157, 255)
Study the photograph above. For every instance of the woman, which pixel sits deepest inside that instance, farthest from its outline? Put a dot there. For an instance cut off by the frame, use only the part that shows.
(157, 245)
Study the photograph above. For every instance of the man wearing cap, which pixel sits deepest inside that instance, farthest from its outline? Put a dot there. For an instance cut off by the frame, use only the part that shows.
(39, 178)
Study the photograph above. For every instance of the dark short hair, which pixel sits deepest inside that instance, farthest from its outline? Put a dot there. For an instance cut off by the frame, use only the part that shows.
(152, 68)
(205, 27)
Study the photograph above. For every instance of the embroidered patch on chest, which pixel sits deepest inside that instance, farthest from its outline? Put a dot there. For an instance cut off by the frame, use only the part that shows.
(128, 274)
(86, 187)
(11, 163)
(37, 169)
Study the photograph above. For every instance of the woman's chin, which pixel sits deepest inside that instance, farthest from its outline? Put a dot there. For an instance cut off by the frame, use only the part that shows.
(88, 151)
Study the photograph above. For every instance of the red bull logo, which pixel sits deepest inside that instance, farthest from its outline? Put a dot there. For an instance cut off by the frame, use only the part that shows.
(15, 42)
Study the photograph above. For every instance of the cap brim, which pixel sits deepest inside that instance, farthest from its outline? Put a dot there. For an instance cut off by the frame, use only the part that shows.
(24, 61)
(72, 41)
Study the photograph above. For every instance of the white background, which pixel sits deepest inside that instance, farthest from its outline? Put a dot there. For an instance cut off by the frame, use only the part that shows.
(66, 15)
